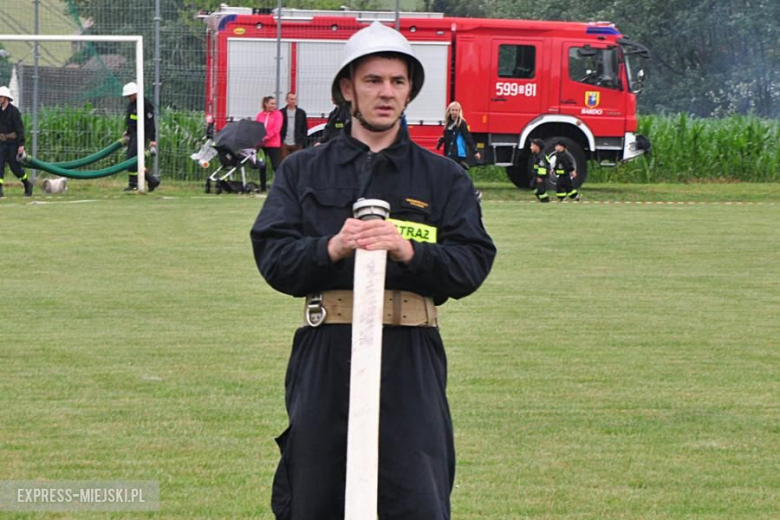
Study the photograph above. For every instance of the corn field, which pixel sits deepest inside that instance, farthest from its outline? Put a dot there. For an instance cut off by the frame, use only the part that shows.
(685, 149)
(67, 133)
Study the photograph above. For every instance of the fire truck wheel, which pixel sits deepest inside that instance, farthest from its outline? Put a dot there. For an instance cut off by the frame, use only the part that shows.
(580, 160)
(520, 173)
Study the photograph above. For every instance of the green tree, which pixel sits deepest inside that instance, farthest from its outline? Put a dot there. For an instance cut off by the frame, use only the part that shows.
(709, 57)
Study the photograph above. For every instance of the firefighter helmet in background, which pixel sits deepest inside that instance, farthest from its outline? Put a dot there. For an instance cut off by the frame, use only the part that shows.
(374, 39)
(6, 93)
(129, 89)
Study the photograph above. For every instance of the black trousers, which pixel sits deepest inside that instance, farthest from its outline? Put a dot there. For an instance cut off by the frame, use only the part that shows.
(132, 151)
(8, 155)
(273, 155)
(540, 181)
(416, 447)
(565, 187)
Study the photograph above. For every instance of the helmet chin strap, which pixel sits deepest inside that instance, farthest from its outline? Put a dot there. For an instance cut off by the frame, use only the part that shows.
(357, 114)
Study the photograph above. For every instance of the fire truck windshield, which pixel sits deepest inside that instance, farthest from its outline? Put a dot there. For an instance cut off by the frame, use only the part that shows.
(633, 53)
(594, 66)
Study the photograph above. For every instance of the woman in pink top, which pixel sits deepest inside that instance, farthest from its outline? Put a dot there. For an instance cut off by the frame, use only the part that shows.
(272, 119)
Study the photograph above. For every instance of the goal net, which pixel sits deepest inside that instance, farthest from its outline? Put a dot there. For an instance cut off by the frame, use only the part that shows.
(71, 102)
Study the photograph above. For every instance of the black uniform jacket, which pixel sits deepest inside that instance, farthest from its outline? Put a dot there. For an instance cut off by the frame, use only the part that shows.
(313, 194)
(541, 164)
(564, 163)
(301, 127)
(131, 120)
(337, 120)
(11, 121)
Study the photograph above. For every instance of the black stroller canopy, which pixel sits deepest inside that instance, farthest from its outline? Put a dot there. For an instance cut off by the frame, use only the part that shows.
(240, 135)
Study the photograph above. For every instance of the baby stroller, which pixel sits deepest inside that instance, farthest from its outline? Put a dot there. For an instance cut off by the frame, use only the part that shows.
(235, 145)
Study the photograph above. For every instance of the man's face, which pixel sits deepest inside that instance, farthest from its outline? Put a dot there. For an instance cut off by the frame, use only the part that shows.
(534, 148)
(132, 97)
(559, 148)
(292, 100)
(380, 87)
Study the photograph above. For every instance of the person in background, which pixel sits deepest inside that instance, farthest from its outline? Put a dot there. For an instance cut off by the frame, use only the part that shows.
(566, 171)
(11, 141)
(337, 119)
(541, 170)
(294, 127)
(458, 143)
(272, 119)
(130, 92)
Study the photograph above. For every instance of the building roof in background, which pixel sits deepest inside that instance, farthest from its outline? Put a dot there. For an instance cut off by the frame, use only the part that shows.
(111, 62)
(19, 18)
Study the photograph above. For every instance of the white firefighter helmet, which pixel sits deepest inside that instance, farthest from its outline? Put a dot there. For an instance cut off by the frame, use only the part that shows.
(377, 38)
(6, 93)
(129, 89)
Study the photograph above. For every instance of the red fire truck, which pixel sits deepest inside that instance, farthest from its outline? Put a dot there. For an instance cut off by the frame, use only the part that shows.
(517, 80)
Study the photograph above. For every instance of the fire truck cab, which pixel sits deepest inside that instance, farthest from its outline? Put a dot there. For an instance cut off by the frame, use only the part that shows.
(517, 80)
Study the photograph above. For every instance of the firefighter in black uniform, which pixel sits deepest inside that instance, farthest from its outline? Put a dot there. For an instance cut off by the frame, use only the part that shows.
(337, 120)
(130, 92)
(566, 172)
(304, 241)
(541, 169)
(11, 141)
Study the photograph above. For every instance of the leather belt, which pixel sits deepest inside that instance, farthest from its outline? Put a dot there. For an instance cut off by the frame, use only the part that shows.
(401, 308)
(8, 136)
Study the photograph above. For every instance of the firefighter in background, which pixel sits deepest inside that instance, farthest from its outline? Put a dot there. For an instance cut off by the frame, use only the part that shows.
(11, 141)
(541, 170)
(337, 120)
(566, 171)
(130, 92)
(304, 243)
(457, 140)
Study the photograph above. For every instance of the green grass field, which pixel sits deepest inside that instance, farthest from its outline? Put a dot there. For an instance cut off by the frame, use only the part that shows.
(621, 361)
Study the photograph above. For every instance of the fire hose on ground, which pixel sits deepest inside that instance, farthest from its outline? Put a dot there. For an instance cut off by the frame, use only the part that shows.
(65, 169)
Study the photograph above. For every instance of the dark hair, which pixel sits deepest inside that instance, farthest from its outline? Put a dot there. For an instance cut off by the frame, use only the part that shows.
(266, 99)
(560, 142)
(539, 143)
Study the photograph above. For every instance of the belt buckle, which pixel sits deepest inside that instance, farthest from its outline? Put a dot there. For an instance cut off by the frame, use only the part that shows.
(315, 313)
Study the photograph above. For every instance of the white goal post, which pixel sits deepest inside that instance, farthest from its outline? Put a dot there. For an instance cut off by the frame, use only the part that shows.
(139, 79)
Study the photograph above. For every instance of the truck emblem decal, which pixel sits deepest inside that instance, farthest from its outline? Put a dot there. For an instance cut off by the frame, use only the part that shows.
(592, 99)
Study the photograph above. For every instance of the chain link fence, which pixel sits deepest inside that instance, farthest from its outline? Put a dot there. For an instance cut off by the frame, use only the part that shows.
(78, 107)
